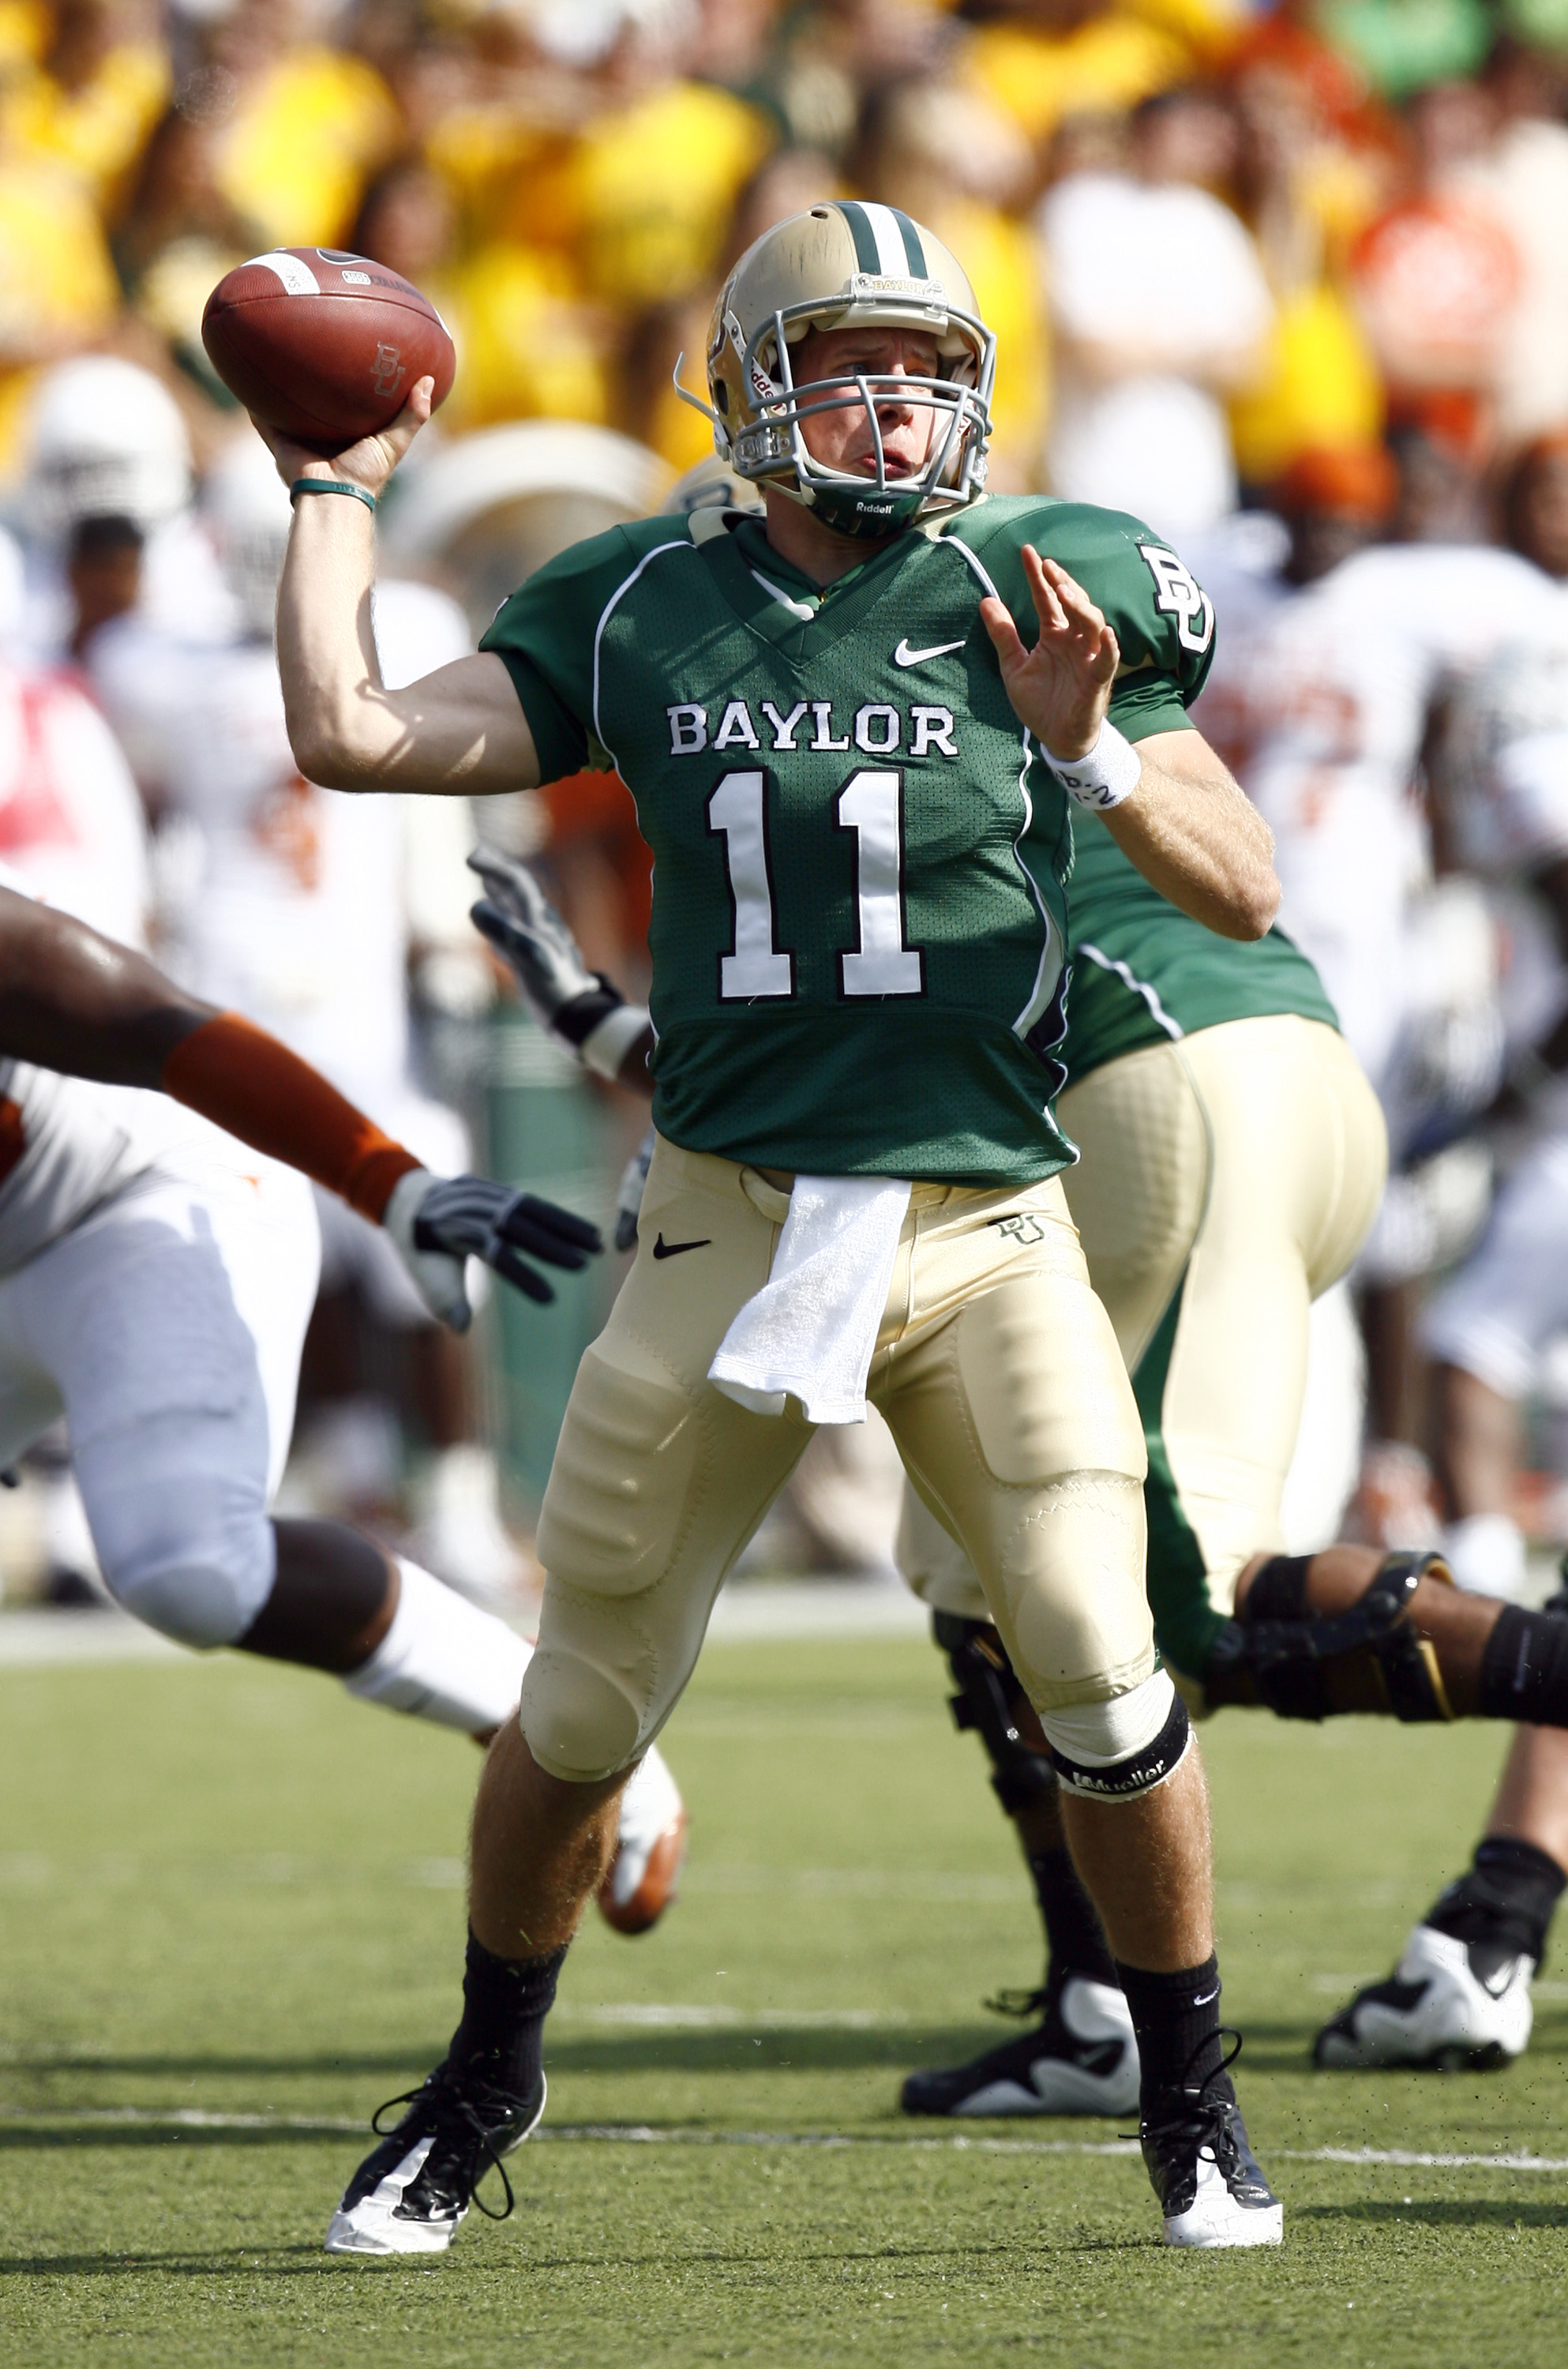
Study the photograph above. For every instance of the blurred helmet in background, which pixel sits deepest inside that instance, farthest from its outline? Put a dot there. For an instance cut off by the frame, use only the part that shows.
(712, 484)
(482, 513)
(846, 265)
(246, 508)
(106, 440)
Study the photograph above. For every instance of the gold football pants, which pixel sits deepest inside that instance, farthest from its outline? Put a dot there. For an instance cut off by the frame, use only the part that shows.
(998, 1372)
(1226, 1180)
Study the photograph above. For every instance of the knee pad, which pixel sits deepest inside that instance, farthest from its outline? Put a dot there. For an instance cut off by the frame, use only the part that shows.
(577, 1724)
(1113, 1751)
(988, 1702)
(177, 1507)
(1302, 1666)
(196, 1604)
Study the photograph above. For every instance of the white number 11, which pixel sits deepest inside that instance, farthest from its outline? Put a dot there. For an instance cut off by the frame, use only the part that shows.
(871, 805)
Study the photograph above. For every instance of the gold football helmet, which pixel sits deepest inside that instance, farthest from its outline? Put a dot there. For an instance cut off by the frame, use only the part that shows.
(845, 265)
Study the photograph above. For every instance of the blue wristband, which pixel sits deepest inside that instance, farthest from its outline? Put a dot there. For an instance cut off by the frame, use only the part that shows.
(331, 485)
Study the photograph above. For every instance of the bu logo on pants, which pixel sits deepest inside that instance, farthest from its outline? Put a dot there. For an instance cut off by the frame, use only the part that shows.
(1021, 1228)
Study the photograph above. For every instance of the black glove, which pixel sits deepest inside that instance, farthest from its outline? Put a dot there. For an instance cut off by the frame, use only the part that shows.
(436, 1222)
(544, 958)
(582, 1009)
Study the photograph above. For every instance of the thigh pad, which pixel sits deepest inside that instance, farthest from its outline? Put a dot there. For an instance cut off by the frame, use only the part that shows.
(623, 1473)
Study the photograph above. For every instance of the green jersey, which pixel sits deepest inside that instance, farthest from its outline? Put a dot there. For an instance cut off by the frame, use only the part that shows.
(1144, 973)
(860, 858)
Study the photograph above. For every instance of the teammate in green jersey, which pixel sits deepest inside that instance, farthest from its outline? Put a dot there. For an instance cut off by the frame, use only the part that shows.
(1215, 1105)
(1233, 1157)
(857, 971)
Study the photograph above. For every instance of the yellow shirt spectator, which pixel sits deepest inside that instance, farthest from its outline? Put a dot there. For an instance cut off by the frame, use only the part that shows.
(57, 285)
(1319, 389)
(301, 145)
(58, 288)
(524, 350)
(1100, 68)
(652, 191)
(94, 133)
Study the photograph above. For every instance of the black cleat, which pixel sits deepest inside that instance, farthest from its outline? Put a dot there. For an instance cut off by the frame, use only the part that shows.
(1210, 2188)
(409, 2195)
(1081, 2059)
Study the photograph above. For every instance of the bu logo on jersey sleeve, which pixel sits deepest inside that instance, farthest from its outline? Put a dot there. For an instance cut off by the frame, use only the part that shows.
(1178, 594)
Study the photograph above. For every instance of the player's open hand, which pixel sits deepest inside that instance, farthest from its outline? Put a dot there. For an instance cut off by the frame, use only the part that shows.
(439, 1223)
(370, 462)
(1061, 688)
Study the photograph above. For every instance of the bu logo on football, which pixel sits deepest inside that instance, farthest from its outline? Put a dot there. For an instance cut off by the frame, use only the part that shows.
(388, 369)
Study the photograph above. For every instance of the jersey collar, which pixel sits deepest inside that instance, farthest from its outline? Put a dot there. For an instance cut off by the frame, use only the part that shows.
(786, 608)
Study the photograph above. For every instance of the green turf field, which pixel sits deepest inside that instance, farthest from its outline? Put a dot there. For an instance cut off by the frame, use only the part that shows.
(229, 1925)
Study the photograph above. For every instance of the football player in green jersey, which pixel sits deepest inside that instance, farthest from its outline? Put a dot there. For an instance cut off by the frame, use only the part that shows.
(851, 735)
(1233, 1154)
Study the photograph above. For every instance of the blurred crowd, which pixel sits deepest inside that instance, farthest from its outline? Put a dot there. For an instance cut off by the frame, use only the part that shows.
(1291, 282)
(1208, 236)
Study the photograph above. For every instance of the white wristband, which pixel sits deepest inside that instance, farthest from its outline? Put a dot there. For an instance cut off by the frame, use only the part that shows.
(1105, 776)
(606, 1047)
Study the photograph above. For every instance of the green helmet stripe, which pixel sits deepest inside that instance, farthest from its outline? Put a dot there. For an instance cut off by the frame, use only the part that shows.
(912, 248)
(865, 237)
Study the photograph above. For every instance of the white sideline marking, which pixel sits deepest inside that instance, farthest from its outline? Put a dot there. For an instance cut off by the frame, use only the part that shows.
(91, 1635)
(753, 1612)
(761, 1609)
(655, 2016)
(675, 2135)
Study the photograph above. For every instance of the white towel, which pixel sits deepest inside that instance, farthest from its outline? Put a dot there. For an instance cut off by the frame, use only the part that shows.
(810, 1332)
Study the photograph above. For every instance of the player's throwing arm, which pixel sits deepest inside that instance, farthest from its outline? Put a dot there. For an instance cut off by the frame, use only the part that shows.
(460, 730)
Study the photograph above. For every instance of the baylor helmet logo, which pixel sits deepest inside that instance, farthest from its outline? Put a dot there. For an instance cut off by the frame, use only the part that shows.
(1177, 595)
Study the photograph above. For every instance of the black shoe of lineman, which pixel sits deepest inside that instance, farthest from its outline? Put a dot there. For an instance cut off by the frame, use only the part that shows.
(1210, 2188)
(409, 2195)
(1081, 2059)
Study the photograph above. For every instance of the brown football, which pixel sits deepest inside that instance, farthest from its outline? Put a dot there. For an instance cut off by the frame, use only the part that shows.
(322, 346)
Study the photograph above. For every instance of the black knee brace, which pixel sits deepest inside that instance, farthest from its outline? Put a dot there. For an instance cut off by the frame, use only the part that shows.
(1302, 1666)
(988, 1701)
(1278, 1591)
(1524, 1670)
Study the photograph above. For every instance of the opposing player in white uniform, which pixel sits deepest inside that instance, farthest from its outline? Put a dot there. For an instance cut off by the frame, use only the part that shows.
(71, 823)
(1503, 787)
(156, 1278)
(1321, 692)
(104, 439)
(1337, 654)
(295, 913)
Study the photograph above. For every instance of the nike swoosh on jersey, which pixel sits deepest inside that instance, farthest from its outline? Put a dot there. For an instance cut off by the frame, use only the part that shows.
(904, 656)
(662, 1249)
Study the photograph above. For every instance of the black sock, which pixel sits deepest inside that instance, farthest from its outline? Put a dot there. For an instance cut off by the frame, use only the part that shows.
(1523, 1671)
(1074, 1943)
(505, 2002)
(1176, 2018)
(1501, 1908)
